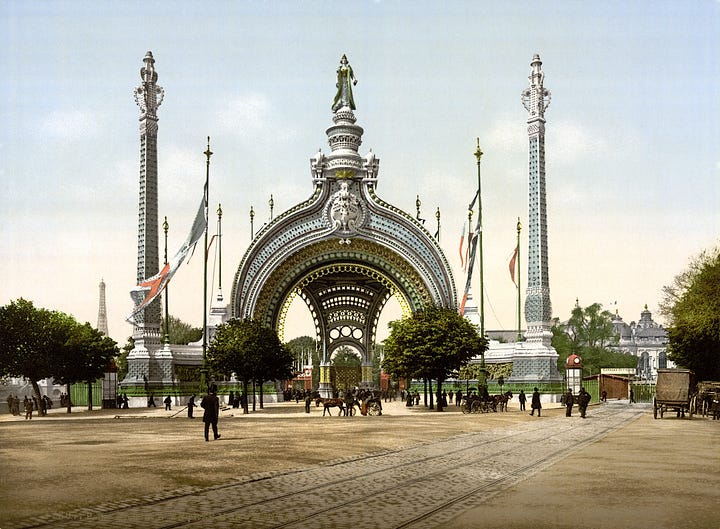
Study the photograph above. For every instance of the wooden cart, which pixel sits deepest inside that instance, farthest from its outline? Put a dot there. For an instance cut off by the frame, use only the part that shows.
(674, 390)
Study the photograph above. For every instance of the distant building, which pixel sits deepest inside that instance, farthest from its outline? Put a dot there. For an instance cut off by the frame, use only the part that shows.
(647, 340)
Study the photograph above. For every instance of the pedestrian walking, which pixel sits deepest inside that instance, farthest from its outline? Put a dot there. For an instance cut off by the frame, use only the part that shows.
(535, 402)
(168, 402)
(308, 400)
(583, 401)
(151, 401)
(211, 404)
(522, 398)
(632, 396)
(450, 396)
(191, 406)
(568, 400)
(28, 408)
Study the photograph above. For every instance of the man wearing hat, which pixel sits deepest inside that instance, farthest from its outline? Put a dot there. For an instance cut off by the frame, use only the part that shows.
(211, 404)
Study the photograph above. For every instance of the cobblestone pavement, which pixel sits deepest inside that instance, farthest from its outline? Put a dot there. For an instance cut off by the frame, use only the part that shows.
(424, 485)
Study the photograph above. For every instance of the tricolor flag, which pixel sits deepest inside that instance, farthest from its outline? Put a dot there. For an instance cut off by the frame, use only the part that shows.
(472, 246)
(512, 265)
(149, 289)
(460, 249)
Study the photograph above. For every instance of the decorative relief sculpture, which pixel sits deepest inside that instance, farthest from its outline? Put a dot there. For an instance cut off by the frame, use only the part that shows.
(345, 211)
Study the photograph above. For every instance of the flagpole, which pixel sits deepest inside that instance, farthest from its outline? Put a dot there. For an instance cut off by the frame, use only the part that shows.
(482, 381)
(166, 227)
(478, 155)
(219, 237)
(519, 227)
(204, 369)
(252, 228)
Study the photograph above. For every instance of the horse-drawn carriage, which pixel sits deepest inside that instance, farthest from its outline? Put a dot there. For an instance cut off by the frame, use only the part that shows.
(674, 390)
(368, 402)
(485, 404)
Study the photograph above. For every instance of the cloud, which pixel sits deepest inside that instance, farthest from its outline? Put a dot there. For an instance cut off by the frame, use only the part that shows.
(253, 116)
(571, 142)
(506, 136)
(69, 125)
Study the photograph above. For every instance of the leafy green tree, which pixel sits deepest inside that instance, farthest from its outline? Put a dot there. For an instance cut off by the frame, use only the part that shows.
(181, 332)
(31, 340)
(432, 343)
(39, 343)
(250, 350)
(589, 333)
(691, 305)
(346, 358)
(87, 354)
(590, 327)
(121, 360)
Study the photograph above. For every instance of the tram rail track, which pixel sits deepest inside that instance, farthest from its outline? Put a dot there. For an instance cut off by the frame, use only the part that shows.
(275, 505)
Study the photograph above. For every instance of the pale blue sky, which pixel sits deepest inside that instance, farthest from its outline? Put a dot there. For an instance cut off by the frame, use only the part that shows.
(632, 144)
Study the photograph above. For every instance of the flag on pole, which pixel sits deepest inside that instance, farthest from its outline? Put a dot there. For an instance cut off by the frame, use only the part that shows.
(472, 247)
(512, 265)
(149, 289)
(460, 249)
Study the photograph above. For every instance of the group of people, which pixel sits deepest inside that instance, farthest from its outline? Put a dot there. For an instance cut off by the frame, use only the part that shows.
(122, 401)
(569, 400)
(28, 405)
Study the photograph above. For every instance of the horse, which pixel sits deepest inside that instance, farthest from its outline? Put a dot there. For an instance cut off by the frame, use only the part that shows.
(329, 403)
(502, 400)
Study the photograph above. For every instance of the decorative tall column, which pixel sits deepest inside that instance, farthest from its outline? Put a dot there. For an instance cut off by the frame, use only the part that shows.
(535, 360)
(102, 324)
(538, 310)
(142, 366)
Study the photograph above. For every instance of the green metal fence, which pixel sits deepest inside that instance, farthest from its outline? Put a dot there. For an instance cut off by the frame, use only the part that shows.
(79, 394)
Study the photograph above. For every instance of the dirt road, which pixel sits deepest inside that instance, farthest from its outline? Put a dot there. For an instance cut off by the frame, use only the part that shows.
(646, 474)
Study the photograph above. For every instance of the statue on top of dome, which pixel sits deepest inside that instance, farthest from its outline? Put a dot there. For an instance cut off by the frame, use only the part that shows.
(345, 80)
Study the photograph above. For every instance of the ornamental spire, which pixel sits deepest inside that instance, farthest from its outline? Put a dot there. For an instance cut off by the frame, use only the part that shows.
(536, 98)
(149, 94)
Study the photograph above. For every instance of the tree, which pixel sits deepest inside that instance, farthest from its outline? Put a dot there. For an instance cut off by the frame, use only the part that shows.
(590, 327)
(250, 350)
(691, 305)
(589, 333)
(39, 343)
(432, 343)
(87, 354)
(181, 332)
(30, 341)
(346, 358)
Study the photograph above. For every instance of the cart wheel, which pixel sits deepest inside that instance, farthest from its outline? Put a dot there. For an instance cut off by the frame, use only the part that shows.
(654, 408)
(465, 408)
(374, 409)
(693, 403)
(662, 411)
(476, 408)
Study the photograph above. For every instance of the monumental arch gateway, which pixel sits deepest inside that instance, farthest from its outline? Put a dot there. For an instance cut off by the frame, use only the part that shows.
(344, 251)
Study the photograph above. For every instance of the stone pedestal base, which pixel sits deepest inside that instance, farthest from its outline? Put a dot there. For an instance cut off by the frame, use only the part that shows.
(534, 362)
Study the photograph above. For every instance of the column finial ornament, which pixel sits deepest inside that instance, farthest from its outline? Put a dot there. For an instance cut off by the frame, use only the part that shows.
(149, 95)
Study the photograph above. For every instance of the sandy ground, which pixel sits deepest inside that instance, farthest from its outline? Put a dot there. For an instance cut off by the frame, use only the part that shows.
(651, 473)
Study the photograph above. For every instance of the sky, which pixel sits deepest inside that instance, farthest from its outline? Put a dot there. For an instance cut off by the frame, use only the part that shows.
(632, 136)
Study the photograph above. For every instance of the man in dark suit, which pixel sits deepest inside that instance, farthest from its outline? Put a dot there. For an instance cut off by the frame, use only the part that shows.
(211, 404)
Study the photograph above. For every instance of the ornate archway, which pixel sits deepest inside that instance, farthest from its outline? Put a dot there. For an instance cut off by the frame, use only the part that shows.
(344, 251)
